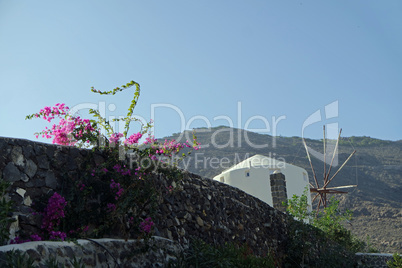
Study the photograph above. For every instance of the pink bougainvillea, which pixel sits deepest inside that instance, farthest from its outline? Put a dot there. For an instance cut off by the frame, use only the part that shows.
(146, 225)
(118, 188)
(72, 130)
(133, 139)
(115, 137)
(68, 130)
(53, 212)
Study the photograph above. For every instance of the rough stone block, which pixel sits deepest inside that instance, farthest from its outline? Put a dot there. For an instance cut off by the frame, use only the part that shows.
(16, 156)
(51, 180)
(12, 173)
(30, 168)
(42, 161)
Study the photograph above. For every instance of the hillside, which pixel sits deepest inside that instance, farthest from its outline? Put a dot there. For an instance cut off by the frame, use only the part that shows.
(376, 168)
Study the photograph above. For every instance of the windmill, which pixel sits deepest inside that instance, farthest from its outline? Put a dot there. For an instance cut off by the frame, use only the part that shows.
(322, 191)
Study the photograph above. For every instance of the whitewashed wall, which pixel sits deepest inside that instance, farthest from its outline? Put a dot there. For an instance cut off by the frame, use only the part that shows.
(252, 176)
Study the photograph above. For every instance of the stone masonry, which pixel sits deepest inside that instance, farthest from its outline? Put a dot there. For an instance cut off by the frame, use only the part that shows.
(200, 208)
(278, 190)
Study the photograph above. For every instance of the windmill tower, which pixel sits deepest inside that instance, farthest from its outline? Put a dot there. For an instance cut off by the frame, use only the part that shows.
(322, 191)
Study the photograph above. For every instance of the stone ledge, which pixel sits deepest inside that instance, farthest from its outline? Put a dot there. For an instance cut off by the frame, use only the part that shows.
(103, 252)
(373, 259)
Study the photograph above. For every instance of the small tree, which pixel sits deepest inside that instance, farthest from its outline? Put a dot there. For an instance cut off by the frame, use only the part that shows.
(330, 221)
(297, 206)
(396, 262)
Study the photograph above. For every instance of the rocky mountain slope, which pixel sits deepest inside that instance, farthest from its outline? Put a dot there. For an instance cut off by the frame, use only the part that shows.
(376, 168)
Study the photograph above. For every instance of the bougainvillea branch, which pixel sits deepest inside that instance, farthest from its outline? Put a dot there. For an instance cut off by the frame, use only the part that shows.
(128, 192)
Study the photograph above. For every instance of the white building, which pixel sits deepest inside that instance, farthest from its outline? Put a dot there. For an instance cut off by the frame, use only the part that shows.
(253, 176)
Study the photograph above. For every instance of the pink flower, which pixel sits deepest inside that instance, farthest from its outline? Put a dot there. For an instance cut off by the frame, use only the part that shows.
(150, 140)
(120, 190)
(133, 139)
(114, 138)
(57, 235)
(170, 189)
(53, 212)
(18, 240)
(36, 237)
(146, 225)
(123, 171)
(69, 127)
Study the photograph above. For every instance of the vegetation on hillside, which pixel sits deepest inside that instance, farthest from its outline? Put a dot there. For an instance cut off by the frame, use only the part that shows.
(338, 245)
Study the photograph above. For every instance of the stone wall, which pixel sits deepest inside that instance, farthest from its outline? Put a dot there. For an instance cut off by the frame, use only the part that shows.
(201, 208)
(373, 260)
(219, 213)
(157, 252)
(35, 169)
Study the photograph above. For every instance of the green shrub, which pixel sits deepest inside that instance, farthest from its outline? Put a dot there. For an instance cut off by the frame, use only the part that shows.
(396, 262)
(17, 259)
(326, 242)
(297, 206)
(330, 221)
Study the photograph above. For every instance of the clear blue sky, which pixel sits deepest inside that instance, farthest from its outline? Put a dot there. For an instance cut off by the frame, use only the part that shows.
(282, 59)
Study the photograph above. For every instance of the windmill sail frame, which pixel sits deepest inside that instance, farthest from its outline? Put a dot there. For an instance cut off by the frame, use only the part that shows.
(321, 192)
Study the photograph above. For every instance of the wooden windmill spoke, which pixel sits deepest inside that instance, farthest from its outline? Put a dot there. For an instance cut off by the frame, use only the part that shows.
(315, 197)
(344, 163)
(311, 164)
(325, 154)
(326, 190)
(333, 157)
(329, 191)
(323, 191)
(341, 187)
